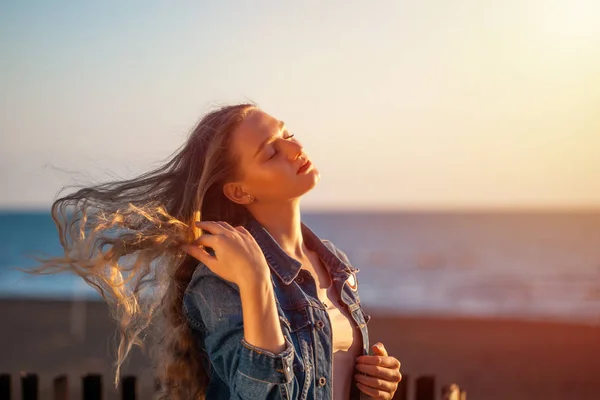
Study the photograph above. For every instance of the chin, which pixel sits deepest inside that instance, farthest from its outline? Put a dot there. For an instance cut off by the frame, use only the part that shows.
(310, 180)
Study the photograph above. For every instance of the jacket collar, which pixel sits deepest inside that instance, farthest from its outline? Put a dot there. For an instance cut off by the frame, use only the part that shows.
(286, 267)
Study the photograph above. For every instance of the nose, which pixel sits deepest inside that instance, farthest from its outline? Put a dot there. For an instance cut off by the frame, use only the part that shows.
(295, 150)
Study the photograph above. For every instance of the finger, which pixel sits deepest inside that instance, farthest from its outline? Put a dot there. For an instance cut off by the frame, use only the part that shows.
(207, 240)
(212, 226)
(196, 241)
(388, 374)
(226, 226)
(242, 229)
(379, 350)
(384, 361)
(375, 383)
(198, 253)
(374, 393)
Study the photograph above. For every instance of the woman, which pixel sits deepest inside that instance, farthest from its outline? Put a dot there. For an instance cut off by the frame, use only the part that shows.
(254, 304)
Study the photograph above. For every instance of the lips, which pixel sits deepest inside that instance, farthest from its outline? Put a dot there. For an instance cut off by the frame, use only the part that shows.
(304, 166)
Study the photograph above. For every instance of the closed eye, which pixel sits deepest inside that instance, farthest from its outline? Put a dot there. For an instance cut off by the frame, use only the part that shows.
(275, 152)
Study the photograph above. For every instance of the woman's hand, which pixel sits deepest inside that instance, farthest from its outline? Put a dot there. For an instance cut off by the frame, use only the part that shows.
(238, 258)
(383, 374)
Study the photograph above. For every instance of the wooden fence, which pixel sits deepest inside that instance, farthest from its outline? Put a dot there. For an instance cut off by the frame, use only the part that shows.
(92, 388)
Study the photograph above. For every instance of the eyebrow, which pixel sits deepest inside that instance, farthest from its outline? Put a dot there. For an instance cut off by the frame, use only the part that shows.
(268, 140)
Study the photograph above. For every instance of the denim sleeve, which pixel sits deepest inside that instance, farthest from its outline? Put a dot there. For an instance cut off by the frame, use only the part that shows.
(249, 372)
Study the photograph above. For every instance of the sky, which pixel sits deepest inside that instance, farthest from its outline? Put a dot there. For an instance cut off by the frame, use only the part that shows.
(429, 104)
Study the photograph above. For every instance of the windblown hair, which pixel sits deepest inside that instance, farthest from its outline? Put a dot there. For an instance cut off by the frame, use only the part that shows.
(124, 239)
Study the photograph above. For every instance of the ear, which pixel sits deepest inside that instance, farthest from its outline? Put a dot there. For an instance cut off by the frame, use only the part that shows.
(234, 192)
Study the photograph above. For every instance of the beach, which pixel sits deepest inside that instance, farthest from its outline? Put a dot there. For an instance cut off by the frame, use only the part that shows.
(492, 359)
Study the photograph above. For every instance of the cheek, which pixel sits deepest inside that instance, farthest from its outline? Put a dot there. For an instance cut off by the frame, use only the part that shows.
(269, 176)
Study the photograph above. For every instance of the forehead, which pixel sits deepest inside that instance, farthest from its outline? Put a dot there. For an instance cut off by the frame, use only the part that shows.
(256, 128)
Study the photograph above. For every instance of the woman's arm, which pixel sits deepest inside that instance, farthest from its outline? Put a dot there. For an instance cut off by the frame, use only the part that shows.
(262, 328)
(246, 347)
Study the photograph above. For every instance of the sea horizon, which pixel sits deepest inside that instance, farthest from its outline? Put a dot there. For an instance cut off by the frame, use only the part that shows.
(532, 265)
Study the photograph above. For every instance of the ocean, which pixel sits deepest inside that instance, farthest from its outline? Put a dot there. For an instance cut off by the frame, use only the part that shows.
(524, 265)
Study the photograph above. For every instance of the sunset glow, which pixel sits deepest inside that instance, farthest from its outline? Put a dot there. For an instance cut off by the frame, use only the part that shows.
(408, 105)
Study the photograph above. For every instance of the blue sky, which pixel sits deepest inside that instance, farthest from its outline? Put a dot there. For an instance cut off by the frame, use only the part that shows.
(428, 104)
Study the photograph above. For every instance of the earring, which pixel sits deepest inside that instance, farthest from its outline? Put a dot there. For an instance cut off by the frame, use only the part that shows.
(250, 198)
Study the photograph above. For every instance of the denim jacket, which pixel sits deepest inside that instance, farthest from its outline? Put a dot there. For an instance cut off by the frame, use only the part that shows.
(238, 370)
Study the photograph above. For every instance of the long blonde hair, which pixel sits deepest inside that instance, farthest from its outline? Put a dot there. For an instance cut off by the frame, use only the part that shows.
(124, 238)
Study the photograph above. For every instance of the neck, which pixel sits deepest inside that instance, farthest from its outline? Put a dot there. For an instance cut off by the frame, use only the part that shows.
(284, 224)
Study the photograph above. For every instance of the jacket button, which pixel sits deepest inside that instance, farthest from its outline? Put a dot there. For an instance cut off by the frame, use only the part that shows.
(319, 324)
(322, 381)
(299, 280)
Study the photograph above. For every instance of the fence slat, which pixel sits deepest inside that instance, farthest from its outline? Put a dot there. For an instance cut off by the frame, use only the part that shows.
(61, 388)
(129, 388)
(92, 387)
(29, 386)
(5, 386)
(425, 388)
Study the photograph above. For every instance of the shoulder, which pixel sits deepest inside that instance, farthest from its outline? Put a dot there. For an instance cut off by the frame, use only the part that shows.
(203, 276)
(339, 254)
(207, 290)
(332, 247)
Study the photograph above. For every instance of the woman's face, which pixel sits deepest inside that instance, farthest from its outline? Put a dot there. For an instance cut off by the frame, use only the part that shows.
(269, 160)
